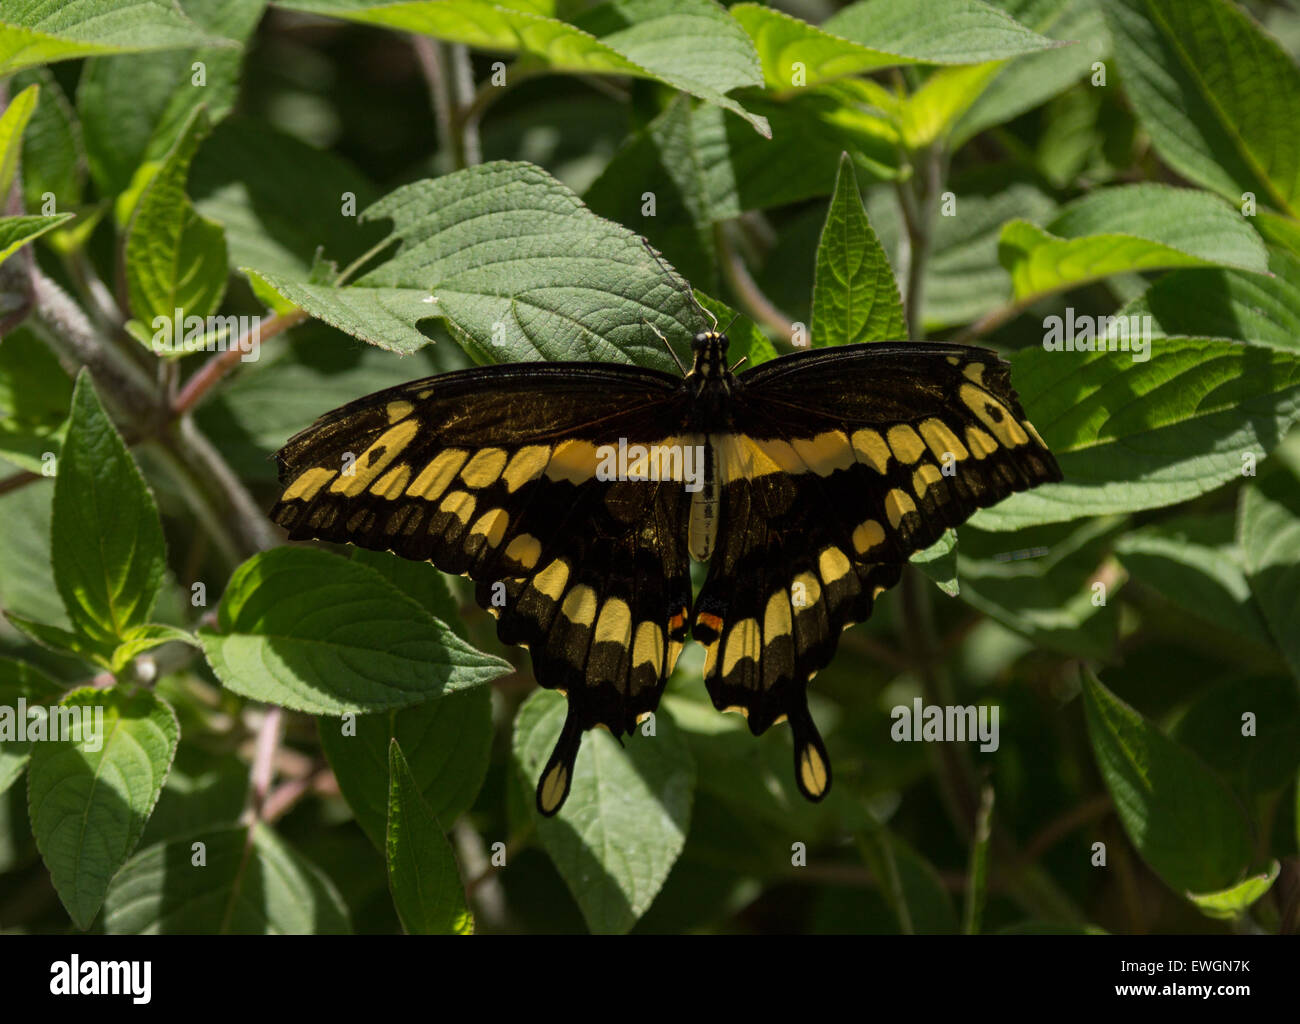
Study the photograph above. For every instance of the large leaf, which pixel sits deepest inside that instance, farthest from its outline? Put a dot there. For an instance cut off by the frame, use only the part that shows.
(1135, 435)
(175, 259)
(53, 156)
(1219, 98)
(625, 821)
(40, 31)
(250, 882)
(90, 795)
(447, 744)
(1126, 229)
(855, 296)
(517, 267)
(318, 633)
(1184, 822)
(692, 45)
(874, 34)
(422, 871)
(107, 542)
(1269, 528)
(134, 108)
(1227, 303)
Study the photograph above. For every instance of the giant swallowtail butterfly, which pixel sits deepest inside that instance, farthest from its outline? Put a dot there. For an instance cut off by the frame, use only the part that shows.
(581, 491)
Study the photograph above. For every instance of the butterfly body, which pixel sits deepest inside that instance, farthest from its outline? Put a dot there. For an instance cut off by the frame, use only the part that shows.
(575, 495)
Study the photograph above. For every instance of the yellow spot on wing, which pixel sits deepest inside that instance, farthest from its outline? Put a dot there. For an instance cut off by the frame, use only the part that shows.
(776, 617)
(941, 440)
(832, 564)
(306, 485)
(981, 445)
(812, 770)
(897, 504)
(975, 372)
(459, 504)
(870, 448)
(484, 467)
(553, 787)
(742, 642)
(615, 623)
(399, 410)
(826, 452)
(925, 475)
(526, 464)
(551, 580)
(525, 549)
(868, 534)
(905, 444)
(994, 415)
(649, 647)
(574, 461)
(391, 483)
(492, 525)
(1034, 433)
(435, 477)
(812, 592)
(375, 459)
(580, 605)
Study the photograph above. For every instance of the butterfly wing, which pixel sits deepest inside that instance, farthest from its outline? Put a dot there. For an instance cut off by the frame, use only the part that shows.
(495, 473)
(839, 465)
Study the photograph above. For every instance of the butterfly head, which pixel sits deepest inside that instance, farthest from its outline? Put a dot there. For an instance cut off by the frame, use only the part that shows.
(710, 351)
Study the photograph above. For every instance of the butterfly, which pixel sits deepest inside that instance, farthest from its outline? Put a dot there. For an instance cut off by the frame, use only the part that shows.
(575, 495)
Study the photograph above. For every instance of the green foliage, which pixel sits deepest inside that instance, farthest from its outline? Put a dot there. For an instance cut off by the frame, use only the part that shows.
(293, 739)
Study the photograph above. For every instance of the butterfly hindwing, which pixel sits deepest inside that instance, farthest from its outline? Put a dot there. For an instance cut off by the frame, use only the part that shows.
(493, 473)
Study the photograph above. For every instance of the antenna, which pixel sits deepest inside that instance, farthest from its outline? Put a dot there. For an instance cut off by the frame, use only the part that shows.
(659, 335)
(738, 362)
(679, 282)
(730, 325)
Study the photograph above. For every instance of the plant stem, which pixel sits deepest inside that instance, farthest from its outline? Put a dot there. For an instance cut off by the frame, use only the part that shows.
(755, 304)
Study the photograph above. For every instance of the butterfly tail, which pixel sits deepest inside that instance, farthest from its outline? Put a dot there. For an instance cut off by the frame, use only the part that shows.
(557, 776)
(812, 765)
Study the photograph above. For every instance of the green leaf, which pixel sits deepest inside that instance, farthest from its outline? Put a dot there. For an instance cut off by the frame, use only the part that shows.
(63, 641)
(1040, 583)
(1227, 304)
(939, 562)
(13, 122)
(1031, 80)
(1195, 563)
(26, 576)
(249, 882)
(422, 872)
(691, 45)
(175, 259)
(929, 114)
(449, 744)
(314, 632)
(876, 34)
(625, 821)
(1178, 814)
(1219, 97)
(913, 888)
(35, 395)
(15, 232)
(1237, 899)
(1125, 229)
(1269, 529)
(90, 795)
(495, 251)
(141, 639)
(1136, 435)
(418, 580)
(855, 297)
(41, 31)
(19, 681)
(135, 108)
(1254, 755)
(53, 156)
(108, 549)
(237, 179)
